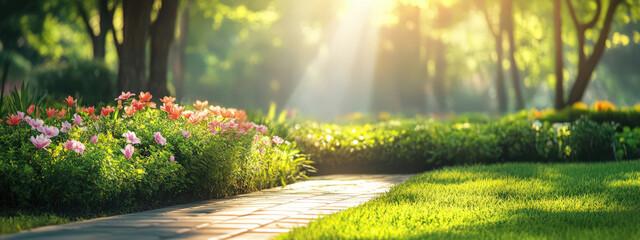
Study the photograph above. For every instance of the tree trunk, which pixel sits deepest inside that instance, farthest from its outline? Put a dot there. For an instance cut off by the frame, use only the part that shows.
(162, 34)
(440, 74)
(98, 40)
(136, 18)
(508, 24)
(500, 89)
(557, 28)
(497, 35)
(586, 66)
(178, 58)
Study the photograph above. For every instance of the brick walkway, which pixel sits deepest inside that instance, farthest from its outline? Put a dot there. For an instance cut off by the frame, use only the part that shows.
(258, 215)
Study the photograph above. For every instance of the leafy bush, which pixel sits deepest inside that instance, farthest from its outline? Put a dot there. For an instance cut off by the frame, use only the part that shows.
(92, 80)
(201, 154)
(417, 145)
(624, 117)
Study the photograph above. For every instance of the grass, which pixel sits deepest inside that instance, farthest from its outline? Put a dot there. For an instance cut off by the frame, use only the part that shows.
(19, 222)
(505, 201)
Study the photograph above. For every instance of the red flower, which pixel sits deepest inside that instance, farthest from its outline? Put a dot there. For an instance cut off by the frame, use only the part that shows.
(62, 112)
(124, 96)
(130, 110)
(168, 99)
(137, 105)
(241, 115)
(89, 110)
(70, 101)
(150, 104)
(215, 110)
(106, 111)
(31, 109)
(201, 105)
(228, 113)
(144, 97)
(166, 106)
(187, 114)
(175, 112)
(13, 119)
(51, 112)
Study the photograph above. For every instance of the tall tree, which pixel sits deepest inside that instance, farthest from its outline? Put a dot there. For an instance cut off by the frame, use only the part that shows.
(98, 39)
(162, 33)
(178, 58)
(496, 32)
(587, 64)
(132, 67)
(507, 25)
(557, 37)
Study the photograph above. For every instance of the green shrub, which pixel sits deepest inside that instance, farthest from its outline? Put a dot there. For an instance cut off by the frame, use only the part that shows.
(102, 179)
(417, 145)
(92, 80)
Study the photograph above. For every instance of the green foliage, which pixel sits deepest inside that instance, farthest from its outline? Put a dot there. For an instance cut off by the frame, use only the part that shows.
(413, 145)
(91, 79)
(503, 201)
(624, 117)
(102, 179)
(23, 222)
(19, 99)
(628, 143)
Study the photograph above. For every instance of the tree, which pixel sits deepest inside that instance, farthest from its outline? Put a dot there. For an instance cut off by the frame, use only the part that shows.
(557, 26)
(178, 58)
(132, 67)
(587, 64)
(507, 26)
(497, 35)
(162, 34)
(106, 21)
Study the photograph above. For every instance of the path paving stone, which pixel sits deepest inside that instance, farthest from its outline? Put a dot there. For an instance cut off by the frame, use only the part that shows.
(258, 215)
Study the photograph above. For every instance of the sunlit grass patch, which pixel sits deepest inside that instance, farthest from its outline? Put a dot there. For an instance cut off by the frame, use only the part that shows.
(506, 201)
(10, 224)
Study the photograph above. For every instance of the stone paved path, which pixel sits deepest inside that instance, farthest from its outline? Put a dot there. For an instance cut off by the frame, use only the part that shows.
(258, 215)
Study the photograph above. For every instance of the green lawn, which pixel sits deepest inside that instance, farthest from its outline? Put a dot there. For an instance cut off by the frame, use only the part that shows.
(507, 201)
(19, 222)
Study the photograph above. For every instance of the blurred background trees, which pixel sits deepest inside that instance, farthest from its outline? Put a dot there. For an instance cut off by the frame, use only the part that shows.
(431, 55)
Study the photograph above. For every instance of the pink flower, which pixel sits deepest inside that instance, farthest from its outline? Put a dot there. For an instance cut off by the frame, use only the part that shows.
(127, 151)
(256, 137)
(74, 145)
(172, 159)
(160, 139)
(34, 123)
(48, 132)
(131, 137)
(262, 129)
(94, 139)
(65, 126)
(125, 96)
(77, 120)
(266, 141)
(277, 140)
(40, 141)
(261, 149)
(21, 114)
(185, 133)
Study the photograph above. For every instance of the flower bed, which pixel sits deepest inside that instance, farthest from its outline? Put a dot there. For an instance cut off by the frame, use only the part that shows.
(134, 155)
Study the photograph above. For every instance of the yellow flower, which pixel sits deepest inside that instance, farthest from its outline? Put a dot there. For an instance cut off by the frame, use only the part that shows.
(385, 116)
(604, 106)
(636, 107)
(355, 116)
(580, 106)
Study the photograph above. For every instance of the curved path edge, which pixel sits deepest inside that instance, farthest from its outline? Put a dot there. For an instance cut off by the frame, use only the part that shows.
(258, 215)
